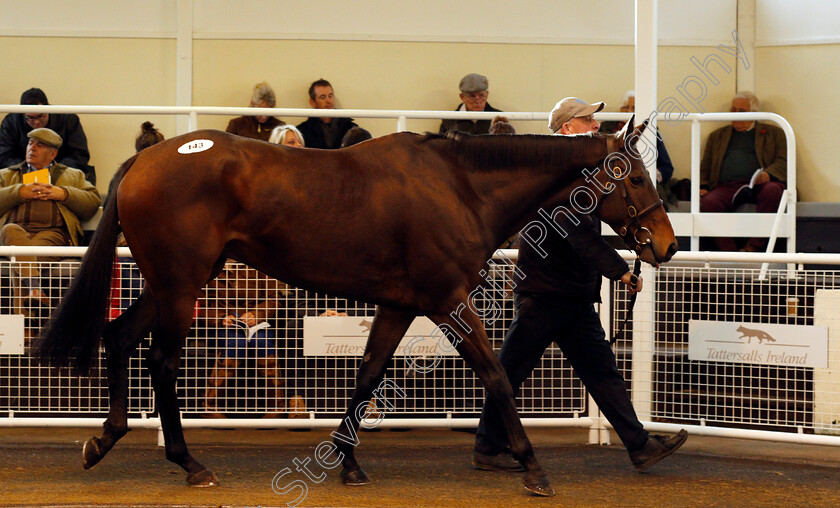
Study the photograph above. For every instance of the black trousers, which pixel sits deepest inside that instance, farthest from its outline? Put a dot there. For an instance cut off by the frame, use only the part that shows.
(577, 330)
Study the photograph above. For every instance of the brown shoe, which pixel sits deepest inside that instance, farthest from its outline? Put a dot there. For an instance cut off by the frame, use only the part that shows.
(211, 411)
(297, 407)
(501, 462)
(656, 449)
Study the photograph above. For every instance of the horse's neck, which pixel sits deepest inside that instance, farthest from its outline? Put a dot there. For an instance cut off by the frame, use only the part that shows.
(512, 196)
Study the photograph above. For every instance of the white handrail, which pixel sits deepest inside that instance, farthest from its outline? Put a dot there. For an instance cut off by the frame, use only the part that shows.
(401, 116)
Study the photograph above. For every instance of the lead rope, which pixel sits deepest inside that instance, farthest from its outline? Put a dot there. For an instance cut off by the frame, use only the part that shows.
(634, 279)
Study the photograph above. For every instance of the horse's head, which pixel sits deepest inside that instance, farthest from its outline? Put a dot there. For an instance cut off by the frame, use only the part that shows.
(633, 207)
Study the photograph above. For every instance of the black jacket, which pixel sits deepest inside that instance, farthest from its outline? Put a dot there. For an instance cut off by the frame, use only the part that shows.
(313, 132)
(74, 147)
(468, 126)
(574, 265)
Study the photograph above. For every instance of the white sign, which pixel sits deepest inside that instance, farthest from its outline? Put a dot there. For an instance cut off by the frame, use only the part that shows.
(347, 336)
(760, 343)
(11, 334)
(195, 146)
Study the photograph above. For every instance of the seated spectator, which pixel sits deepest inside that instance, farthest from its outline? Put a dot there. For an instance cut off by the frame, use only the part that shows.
(239, 310)
(501, 125)
(131, 281)
(355, 135)
(749, 157)
(48, 212)
(148, 136)
(324, 132)
(474, 93)
(664, 168)
(259, 126)
(288, 135)
(15, 127)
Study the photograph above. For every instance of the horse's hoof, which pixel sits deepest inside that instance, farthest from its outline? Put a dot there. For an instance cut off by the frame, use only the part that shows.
(538, 484)
(354, 477)
(203, 478)
(91, 452)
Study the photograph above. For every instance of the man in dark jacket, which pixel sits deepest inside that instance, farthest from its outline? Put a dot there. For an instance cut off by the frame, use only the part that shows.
(556, 288)
(15, 127)
(324, 132)
(474, 93)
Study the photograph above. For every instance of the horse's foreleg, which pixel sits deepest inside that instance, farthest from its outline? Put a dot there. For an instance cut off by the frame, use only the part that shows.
(474, 348)
(389, 326)
(164, 359)
(120, 338)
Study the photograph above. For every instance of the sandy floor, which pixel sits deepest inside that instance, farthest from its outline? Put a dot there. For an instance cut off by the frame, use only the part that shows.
(414, 468)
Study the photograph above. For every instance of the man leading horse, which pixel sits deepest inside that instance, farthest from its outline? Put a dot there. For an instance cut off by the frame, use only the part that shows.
(554, 299)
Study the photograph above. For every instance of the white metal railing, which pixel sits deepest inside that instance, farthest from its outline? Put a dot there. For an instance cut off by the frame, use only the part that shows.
(654, 361)
(693, 224)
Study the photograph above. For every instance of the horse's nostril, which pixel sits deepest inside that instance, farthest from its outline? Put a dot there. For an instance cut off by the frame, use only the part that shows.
(672, 249)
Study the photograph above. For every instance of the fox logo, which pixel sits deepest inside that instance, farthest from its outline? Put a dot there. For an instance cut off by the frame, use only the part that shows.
(758, 334)
(366, 325)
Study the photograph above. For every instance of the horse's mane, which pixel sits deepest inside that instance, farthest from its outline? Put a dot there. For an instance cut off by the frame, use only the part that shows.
(489, 152)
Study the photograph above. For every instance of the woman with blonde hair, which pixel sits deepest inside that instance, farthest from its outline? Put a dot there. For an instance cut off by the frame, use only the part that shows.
(288, 135)
(258, 126)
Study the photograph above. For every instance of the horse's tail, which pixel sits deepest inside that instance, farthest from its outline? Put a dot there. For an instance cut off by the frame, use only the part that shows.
(72, 335)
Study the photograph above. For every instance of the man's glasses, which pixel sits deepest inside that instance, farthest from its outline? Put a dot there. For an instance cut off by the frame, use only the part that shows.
(33, 118)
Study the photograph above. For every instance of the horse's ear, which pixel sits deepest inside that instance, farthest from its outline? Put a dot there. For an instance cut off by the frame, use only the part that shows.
(640, 129)
(623, 133)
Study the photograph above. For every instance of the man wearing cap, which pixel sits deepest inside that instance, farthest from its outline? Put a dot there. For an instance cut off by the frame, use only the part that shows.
(43, 213)
(15, 126)
(554, 297)
(474, 93)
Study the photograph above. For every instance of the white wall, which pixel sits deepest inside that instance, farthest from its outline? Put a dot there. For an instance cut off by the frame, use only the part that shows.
(784, 22)
(681, 22)
(409, 55)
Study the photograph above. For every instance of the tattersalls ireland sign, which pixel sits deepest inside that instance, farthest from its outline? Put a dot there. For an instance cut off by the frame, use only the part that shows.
(347, 336)
(759, 343)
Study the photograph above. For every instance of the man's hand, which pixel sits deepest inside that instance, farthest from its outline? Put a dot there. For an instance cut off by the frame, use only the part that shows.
(228, 320)
(634, 283)
(249, 318)
(762, 177)
(43, 192)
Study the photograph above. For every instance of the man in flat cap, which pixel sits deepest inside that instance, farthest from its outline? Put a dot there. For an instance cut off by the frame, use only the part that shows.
(43, 202)
(554, 300)
(474, 93)
(15, 126)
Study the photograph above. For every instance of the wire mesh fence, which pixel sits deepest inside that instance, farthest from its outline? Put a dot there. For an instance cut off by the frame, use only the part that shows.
(224, 372)
(743, 395)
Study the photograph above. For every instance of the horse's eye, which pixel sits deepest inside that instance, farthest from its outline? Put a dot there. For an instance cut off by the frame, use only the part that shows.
(637, 180)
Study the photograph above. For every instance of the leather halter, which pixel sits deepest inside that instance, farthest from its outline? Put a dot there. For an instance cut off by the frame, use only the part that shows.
(632, 228)
(630, 231)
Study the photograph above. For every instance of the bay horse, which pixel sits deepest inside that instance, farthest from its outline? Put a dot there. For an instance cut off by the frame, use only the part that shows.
(405, 222)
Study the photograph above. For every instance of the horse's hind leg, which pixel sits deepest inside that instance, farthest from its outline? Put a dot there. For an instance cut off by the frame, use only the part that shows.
(120, 338)
(164, 360)
(389, 326)
(474, 348)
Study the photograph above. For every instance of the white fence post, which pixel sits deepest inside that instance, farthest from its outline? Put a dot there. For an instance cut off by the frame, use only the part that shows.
(827, 381)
